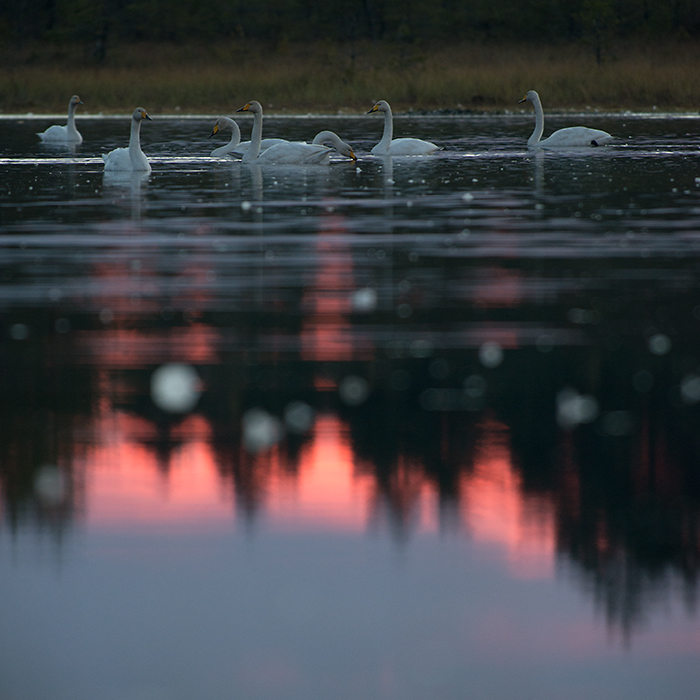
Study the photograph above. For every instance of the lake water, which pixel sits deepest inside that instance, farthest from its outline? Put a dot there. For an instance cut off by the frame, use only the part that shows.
(390, 430)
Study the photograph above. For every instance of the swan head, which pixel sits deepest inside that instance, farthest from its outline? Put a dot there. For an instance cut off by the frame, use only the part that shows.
(253, 106)
(75, 101)
(381, 106)
(139, 114)
(220, 124)
(530, 96)
(331, 139)
(345, 149)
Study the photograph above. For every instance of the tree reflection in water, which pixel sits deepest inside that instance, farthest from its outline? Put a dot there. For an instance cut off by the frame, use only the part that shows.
(615, 499)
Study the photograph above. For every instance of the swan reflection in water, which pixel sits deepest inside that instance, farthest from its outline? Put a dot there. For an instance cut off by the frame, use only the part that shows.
(131, 182)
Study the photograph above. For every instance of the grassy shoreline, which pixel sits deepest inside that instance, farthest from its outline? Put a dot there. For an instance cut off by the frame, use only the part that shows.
(332, 78)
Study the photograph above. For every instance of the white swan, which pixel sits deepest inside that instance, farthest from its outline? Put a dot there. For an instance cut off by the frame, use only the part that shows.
(243, 146)
(131, 158)
(221, 124)
(324, 138)
(67, 133)
(570, 137)
(389, 146)
(290, 153)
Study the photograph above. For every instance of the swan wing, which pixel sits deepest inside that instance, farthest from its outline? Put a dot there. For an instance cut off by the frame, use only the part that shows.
(406, 147)
(295, 153)
(60, 134)
(243, 147)
(224, 151)
(576, 137)
(118, 159)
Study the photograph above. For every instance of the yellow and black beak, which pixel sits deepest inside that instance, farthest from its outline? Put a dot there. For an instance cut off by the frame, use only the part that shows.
(523, 100)
(215, 130)
(245, 108)
(144, 115)
(374, 109)
(352, 155)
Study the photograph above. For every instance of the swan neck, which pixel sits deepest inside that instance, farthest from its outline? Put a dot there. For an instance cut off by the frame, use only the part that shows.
(539, 122)
(327, 137)
(388, 127)
(255, 138)
(134, 139)
(235, 136)
(71, 116)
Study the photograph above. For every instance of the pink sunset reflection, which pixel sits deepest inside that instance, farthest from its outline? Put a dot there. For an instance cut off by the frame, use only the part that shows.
(130, 483)
(496, 510)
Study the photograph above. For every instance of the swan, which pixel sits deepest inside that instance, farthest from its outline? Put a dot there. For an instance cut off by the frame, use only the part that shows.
(67, 133)
(570, 137)
(131, 158)
(289, 153)
(221, 124)
(398, 147)
(323, 138)
(243, 146)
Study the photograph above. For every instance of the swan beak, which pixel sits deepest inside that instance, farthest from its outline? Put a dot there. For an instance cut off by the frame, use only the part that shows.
(215, 130)
(352, 155)
(144, 115)
(245, 108)
(523, 100)
(374, 109)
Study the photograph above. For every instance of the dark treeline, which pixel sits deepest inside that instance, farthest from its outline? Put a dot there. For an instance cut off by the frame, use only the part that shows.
(103, 21)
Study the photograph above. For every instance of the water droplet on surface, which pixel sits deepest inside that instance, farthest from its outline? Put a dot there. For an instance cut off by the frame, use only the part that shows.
(659, 344)
(175, 388)
(354, 390)
(491, 354)
(50, 485)
(690, 388)
(574, 408)
(298, 417)
(364, 300)
(19, 331)
(261, 430)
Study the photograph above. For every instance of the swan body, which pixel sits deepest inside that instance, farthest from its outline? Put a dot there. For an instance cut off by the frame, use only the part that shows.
(64, 134)
(243, 146)
(131, 158)
(323, 138)
(222, 124)
(570, 137)
(390, 146)
(285, 153)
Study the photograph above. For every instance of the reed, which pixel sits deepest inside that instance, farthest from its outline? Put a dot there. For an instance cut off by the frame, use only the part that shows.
(331, 78)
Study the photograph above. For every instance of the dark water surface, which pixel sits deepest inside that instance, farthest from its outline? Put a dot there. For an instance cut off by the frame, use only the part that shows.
(409, 429)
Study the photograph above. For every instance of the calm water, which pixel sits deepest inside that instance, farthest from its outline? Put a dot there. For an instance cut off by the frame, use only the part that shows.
(427, 428)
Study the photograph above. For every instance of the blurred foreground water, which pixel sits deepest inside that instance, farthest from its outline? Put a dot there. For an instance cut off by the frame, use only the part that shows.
(421, 428)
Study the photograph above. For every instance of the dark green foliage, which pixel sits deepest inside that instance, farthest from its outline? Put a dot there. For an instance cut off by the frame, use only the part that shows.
(100, 21)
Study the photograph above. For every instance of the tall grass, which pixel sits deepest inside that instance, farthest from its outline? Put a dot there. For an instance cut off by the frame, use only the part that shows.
(331, 78)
